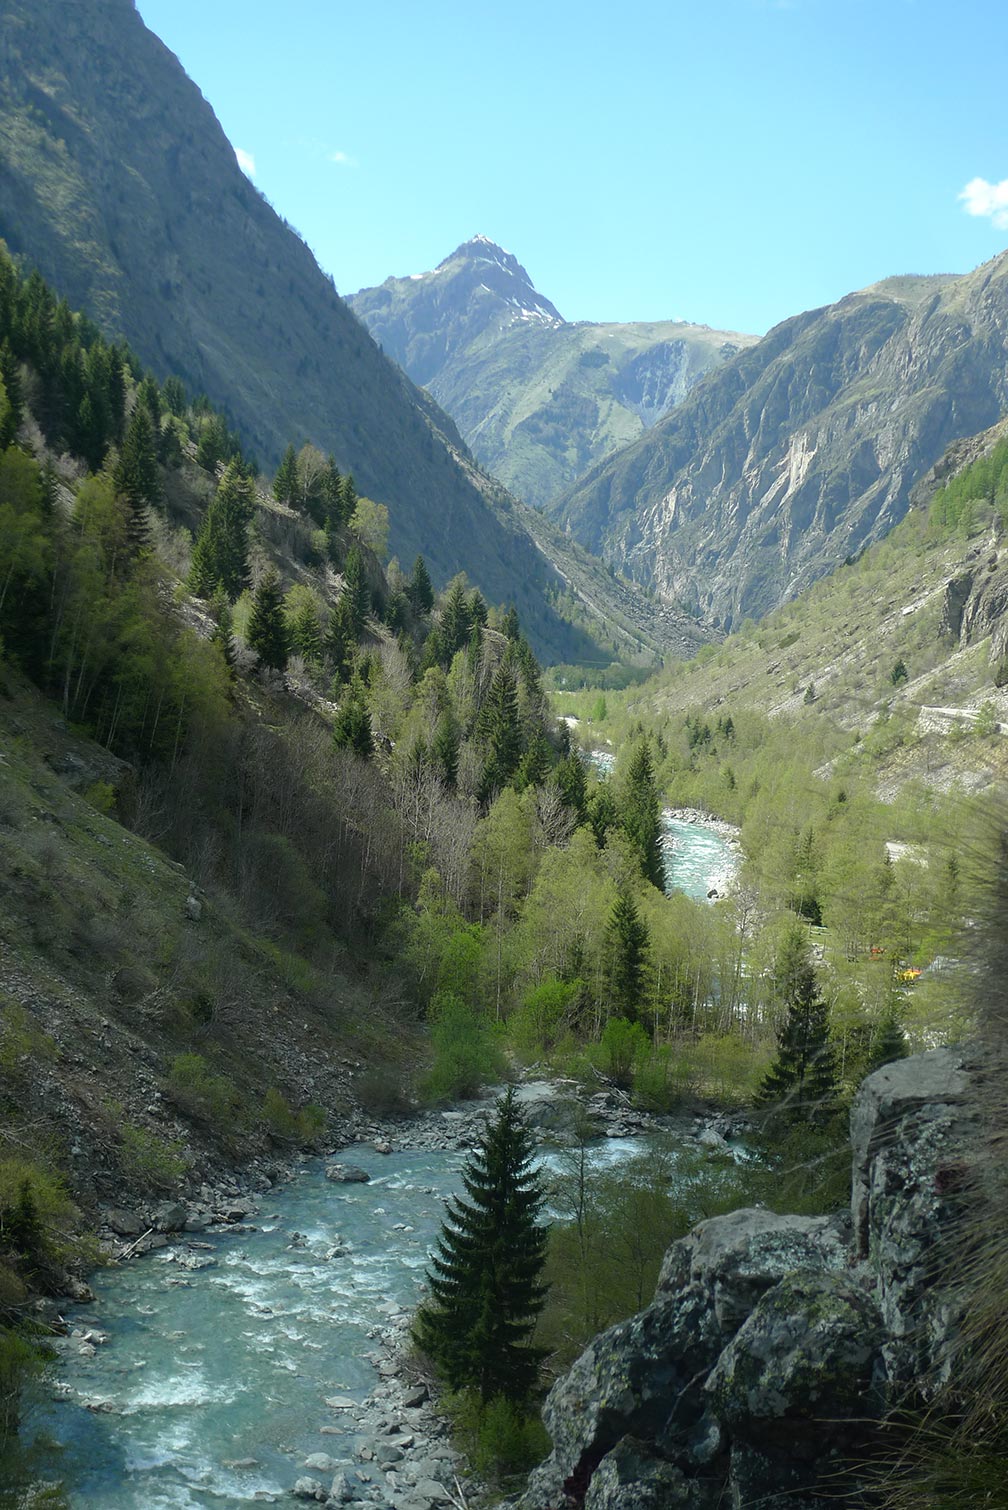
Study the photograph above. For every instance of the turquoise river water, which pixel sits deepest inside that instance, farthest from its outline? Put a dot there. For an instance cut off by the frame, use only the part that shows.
(204, 1371)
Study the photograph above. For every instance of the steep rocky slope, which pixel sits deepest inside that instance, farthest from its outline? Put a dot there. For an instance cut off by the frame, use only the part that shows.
(118, 183)
(801, 450)
(539, 400)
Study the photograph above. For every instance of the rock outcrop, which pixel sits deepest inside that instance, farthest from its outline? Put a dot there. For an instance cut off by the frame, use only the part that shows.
(775, 1343)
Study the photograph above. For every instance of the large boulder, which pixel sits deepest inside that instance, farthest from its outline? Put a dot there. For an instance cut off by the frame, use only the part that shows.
(737, 1258)
(913, 1135)
(632, 1477)
(797, 1385)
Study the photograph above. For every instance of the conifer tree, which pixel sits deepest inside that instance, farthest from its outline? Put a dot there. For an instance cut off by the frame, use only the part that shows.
(485, 1279)
(356, 590)
(332, 494)
(445, 748)
(477, 608)
(305, 632)
(136, 476)
(340, 638)
(628, 943)
(285, 483)
(352, 725)
(499, 731)
(220, 555)
(267, 629)
(640, 814)
(223, 633)
(420, 590)
(456, 623)
(802, 1081)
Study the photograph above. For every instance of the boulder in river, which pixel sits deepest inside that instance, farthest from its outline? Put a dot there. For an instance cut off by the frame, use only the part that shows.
(346, 1174)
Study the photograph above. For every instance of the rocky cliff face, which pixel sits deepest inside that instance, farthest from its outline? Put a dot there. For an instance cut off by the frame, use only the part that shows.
(774, 1344)
(118, 183)
(538, 400)
(799, 451)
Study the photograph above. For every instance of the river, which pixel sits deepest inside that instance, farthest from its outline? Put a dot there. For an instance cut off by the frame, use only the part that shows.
(209, 1370)
(210, 1389)
(698, 857)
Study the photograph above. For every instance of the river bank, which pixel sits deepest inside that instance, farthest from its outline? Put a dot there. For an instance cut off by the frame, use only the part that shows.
(237, 1362)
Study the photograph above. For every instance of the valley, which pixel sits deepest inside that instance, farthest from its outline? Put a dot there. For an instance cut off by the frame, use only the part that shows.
(501, 820)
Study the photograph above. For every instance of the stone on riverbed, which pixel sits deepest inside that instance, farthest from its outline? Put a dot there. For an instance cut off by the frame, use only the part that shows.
(309, 1489)
(321, 1462)
(346, 1174)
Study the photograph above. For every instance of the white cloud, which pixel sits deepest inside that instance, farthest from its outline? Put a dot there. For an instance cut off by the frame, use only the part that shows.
(342, 159)
(246, 162)
(982, 198)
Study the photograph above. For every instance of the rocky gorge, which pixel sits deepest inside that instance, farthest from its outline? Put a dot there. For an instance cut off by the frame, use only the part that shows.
(775, 1345)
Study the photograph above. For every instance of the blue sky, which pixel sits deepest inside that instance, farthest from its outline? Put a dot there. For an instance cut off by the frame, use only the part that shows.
(725, 161)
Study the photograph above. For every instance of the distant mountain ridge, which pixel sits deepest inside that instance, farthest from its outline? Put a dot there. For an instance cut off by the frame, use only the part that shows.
(118, 183)
(801, 450)
(539, 400)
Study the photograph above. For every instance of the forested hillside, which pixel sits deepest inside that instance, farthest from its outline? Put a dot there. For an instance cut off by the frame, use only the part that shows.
(118, 183)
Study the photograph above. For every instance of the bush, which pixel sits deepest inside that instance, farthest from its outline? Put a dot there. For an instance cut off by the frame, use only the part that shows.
(624, 1044)
(500, 1439)
(302, 1126)
(663, 1080)
(380, 1091)
(195, 1087)
(149, 1159)
(467, 1052)
(537, 1025)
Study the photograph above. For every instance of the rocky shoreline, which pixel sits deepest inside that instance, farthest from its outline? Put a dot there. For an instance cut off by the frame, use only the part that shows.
(403, 1455)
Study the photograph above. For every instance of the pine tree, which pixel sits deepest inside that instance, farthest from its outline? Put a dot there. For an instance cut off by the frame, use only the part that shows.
(305, 632)
(485, 1279)
(445, 749)
(223, 632)
(510, 624)
(352, 725)
(455, 621)
(640, 814)
(285, 483)
(136, 476)
(340, 638)
(420, 590)
(356, 590)
(802, 1082)
(267, 629)
(499, 731)
(220, 555)
(628, 943)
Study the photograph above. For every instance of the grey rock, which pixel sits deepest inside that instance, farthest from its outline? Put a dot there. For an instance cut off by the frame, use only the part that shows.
(123, 1223)
(736, 1258)
(385, 1452)
(193, 909)
(341, 1490)
(631, 1477)
(170, 1217)
(321, 1462)
(346, 1174)
(308, 1489)
(416, 1396)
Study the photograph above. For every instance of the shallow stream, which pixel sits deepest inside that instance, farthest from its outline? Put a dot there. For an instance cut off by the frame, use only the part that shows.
(211, 1388)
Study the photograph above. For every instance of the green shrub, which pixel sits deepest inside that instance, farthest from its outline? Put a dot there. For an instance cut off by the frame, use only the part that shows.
(37, 1218)
(150, 1159)
(499, 1438)
(101, 795)
(301, 1126)
(537, 1025)
(467, 1052)
(663, 1080)
(198, 1090)
(380, 1091)
(624, 1044)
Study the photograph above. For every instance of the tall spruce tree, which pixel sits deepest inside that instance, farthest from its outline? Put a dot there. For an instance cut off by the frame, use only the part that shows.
(640, 814)
(498, 729)
(801, 1084)
(220, 555)
(352, 724)
(356, 590)
(629, 943)
(420, 590)
(285, 483)
(267, 627)
(136, 476)
(485, 1278)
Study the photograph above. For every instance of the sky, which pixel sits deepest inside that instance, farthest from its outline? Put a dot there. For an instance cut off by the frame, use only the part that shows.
(730, 162)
